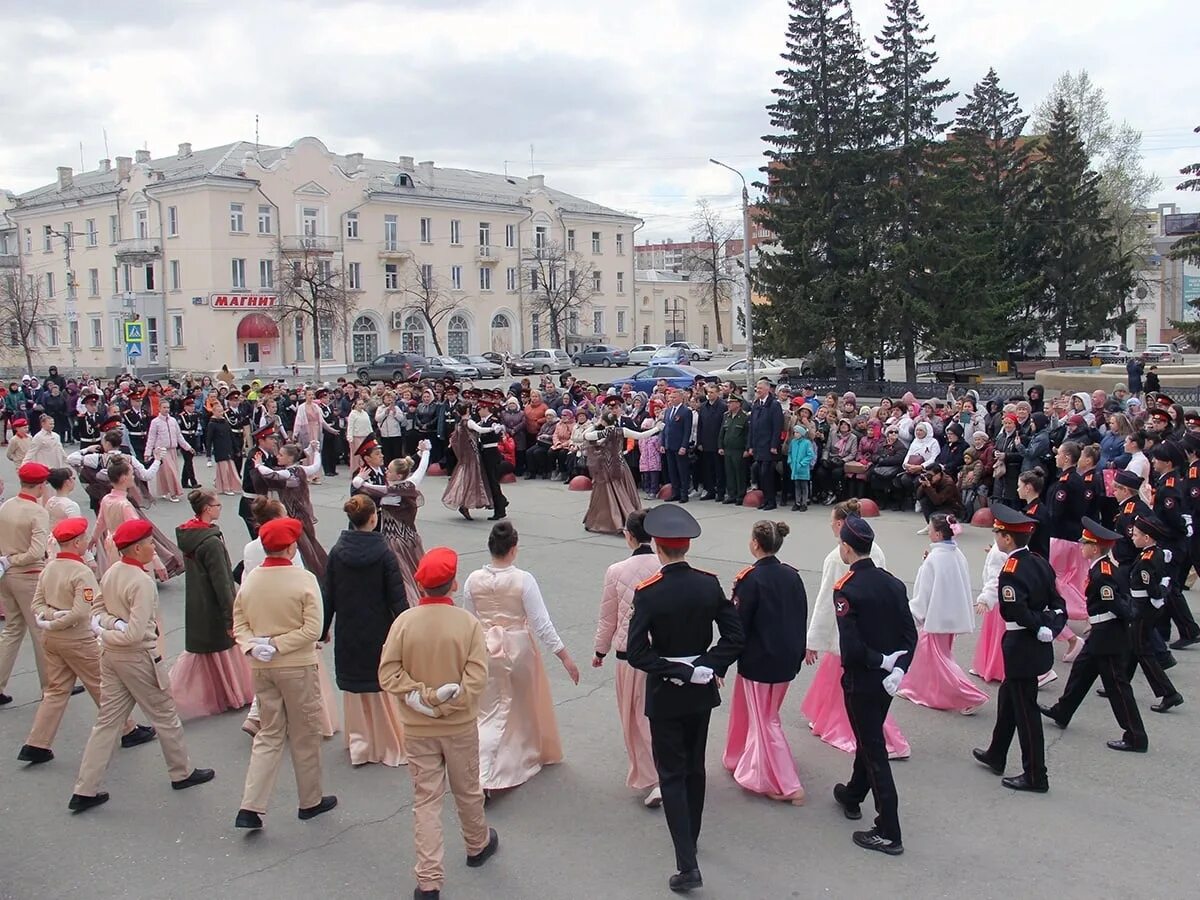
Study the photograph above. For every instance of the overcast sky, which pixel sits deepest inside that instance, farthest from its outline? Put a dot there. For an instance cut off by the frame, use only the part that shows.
(622, 101)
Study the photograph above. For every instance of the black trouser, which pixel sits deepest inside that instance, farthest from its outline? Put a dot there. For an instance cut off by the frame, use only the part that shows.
(62, 427)
(393, 448)
(678, 746)
(883, 488)
(679, 472)
(764, 477)
(1113, 671)
(490, 457)
(330, 448)
(1177, 609)
(137, 443)
(537, 459)
(449, 460)
(872, 771)
(245, 516)
(187, 476)
(1017, 710)
(1143, 653)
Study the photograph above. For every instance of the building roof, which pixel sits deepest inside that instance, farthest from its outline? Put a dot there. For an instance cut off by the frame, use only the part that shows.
(660, 275)
(228, 160)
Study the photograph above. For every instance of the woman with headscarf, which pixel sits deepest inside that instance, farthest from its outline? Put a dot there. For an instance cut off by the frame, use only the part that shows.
(921, 454)
(614, 493)
(537, 456)
(1036, 395)
(514, 422)
(841, 449)
(560, 446)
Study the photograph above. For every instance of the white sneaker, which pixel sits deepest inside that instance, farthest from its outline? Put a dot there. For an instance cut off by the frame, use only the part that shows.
(653, 799)
(209, 463)
(924, 530)
(916, 507)
(1046, 677)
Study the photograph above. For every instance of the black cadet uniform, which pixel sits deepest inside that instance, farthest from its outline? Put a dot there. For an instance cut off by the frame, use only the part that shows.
(773, 607)
(873, 620)
(1127, 513)
(1170, 508)
(1039, 543)
(136, 423)
(1148, 591)
(672, 619)
(1093, 495)
(1028, 603)
(489, 456)
(1105, 655)
(1068, 506)
(89, 427)
(189, 424)
(253, 486)
(374, 476)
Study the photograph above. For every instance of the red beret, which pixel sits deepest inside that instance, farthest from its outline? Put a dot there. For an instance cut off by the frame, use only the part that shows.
(129, 533)
(19, 423)
(279, 534)
(437, 567)
(69, 529)
(32, 473)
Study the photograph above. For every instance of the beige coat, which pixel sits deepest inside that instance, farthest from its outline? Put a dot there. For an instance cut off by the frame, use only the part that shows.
(282, 603)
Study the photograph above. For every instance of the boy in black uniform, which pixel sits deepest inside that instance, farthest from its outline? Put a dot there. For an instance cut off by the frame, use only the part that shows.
(1106, 653)
(330, 434)
(489, 453)
(1033, 614)
(371, 471)
(670, 633)
(1129, 506)
(265, 443)
(136, 422)
(1170, 508)
(88, 427)
(877, 637)
(1149, 583)
(189, 425)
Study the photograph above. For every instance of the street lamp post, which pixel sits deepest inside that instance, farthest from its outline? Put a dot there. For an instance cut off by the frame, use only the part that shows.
(72, 286)
(749, 310)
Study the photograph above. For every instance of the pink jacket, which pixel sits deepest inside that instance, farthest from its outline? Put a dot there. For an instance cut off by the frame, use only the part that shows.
(165, 433)
(616, 604)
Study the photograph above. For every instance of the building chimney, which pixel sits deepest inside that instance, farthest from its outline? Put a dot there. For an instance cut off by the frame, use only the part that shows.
(124, 164)
(354, 160)
(105, 165)
(65, 177)
(185, 150)
(141, 156)
(537, 181)
(426, 168)
(405, 162)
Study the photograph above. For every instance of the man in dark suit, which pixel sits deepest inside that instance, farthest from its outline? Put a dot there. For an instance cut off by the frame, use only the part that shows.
(669, 639)
(766, 436)
(712, 467)
(677, 437)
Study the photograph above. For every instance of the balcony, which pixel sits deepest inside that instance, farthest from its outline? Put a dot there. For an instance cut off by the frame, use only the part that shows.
(487, 256)
(394, 250)
(9, 261)
(137, 251)
(303, 244)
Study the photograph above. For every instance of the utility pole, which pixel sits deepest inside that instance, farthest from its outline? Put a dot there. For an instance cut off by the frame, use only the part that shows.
(746, 266)
(72, 311)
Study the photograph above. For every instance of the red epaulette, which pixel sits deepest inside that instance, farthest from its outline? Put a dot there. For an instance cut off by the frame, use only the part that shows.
(1170, 482)
(841, 582)
(1130, 506)
(742, 574)
(1064, 476)
(1148, 553)
(1105, 567)
(1031, 510)
(1194, 472)
(1010, 565)
(649, 581)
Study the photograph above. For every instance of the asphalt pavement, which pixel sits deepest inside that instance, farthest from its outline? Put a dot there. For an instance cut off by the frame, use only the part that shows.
(1113, 825)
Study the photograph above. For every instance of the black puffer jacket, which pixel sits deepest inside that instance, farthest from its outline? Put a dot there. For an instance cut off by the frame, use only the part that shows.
(364, 591)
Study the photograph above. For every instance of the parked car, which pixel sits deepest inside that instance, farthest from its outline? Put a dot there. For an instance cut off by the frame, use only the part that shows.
(670, 356)
(1162, 353)
(1110, 352)
(392, 367)
(601, 355)
(695, 352)
(484, 366)
(676, 376)
(497, 358)
(642, 354)
(822, 364)
(448, 367)
(769, 368)
(544, 360)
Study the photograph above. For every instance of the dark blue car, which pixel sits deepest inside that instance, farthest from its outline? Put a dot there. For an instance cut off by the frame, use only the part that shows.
(676, 376)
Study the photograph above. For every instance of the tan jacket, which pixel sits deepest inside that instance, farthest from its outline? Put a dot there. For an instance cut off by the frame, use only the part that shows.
(428, 646)
(67, 583)
(282, 603)
(24, 531)
(128, 592)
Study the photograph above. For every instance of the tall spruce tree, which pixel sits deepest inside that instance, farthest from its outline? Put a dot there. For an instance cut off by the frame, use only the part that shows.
(819, 274)
(909, 100)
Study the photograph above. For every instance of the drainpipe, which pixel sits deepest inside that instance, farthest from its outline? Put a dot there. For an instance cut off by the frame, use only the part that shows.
(633, 281)
(165, 335)
(521, 284)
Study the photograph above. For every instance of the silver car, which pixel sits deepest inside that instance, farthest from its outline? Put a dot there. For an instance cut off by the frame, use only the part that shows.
(485, 367)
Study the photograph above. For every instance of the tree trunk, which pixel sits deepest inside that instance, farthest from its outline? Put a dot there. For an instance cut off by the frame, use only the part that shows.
(717, 310)
(29, 369)
(910, 353)
(433, 332)
(316, 347)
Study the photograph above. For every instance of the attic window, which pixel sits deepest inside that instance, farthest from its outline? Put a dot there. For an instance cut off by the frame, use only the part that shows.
(403, 180)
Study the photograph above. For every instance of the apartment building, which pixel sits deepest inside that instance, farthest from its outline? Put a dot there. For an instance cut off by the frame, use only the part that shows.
(193, 246)
(673, 307)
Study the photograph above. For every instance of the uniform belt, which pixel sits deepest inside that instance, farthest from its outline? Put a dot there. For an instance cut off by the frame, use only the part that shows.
(688, 660)
(1139, 594)
(249, 496)
(1013, 626)
(1103, 617)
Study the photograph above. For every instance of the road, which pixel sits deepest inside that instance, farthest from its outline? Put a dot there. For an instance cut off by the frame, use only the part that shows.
(1113, 825)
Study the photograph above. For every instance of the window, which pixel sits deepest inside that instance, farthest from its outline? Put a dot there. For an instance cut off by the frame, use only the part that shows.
(620, 321)
(537, 333)
(645, 334)
(114, 229)
(49, 284)
(571, 240)
(176, 329)
(266, 273)
(118, 331)
(310, 219)
(458, 336)
(512, 278)
(173, 221)
(237, 217)
(93, 282)
(704, 336)
(456, 277)
(620, 282)
(620, 244)
(150, 277)
(596, 283)
(485, 278)
(176, 277)
(47, 238)
(52, 333)
(141, 224)
(510, 236)
(266, 223)
(325, 269)
(598, 321)
(533, 279)
(152, 336)
(73, 333)
(92, 237)
(364, 339)
(28, 240)
(573, 322)
(352, 225)
(14, 335)
(455, 231)
(426, 276)
(553, 278)
(237, 276)
(391, 277)
(96, 331)
(70, 282)
(540, 235)
(354, 276)
(390, 226)
(116, 282)
(426, 231)
(412, 336)
(595, 242)
(127, 277)
(485, 235)
(326, 334)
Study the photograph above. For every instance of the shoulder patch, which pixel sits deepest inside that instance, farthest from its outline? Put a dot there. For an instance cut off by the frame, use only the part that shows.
(649, 581)
(1130, 506)
(1008, 594)
(1010, 565)
(841, 582)
(841, 605)
(1193, 472)
(1145, 576)
(89, 595)
(1105, 567)
(1169, 502)
(1106, 593)
(1060, 495)
(742, 574)
(1032, 509)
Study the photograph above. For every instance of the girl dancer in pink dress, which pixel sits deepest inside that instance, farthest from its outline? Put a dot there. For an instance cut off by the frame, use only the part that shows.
(989, 661)
(164, 432)
(941, 606)
(774, 609)
(825, 704)
(115, 508)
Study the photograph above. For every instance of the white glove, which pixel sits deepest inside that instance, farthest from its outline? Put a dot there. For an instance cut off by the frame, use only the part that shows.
(1188, 521)
(1158, 602)
(119, 625)
(448, 692)
(260, 640)
(95, 624)
(498, 429)
(701, 675)
(889, 661)
(1045, 635)
(40, 622)
(414, 702)
(263, 652)
(1167, 554)
(3, 565)
(61, 613)
(891, 683)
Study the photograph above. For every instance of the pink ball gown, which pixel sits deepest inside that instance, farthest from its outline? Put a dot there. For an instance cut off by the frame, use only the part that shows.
(757, 752)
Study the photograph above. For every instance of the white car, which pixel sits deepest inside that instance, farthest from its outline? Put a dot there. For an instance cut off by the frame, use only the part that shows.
(1111, 352)
(642, 354)
(738, 374)
(695, 352)
(1159, 353)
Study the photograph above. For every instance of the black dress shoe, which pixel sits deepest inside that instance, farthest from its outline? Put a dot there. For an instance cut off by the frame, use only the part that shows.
(465, 513)
(1183, 643)
(78, 689)
(327, 803)
(682, 882)
(1127, 747)
(247, 818)
(35, 755)
(496, 517)
(1022, 783)
(729, 501)
(5, 699)
(198, 776)
(1167, 661)
(768, 507)
(419, 894)
(1101, 692)
(81, 802)
(1048, 712)
(1168, 703)
(850, 809)
(873, 840)
(487, 852)
(981, 756)
(141, 734)
(708, 496)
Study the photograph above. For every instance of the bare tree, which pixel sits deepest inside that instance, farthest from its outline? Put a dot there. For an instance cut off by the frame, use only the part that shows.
(312, 290)
(705, 260)
(558, 281)
(25, 311)
(423, 295)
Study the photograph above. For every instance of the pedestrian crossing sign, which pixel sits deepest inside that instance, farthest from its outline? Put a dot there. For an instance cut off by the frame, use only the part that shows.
(133, 332)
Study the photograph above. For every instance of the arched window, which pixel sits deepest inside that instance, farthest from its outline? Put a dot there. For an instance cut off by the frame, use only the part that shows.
(500, 320)
(502, 336)
(412, 337)
(458, 336)
(364, 339)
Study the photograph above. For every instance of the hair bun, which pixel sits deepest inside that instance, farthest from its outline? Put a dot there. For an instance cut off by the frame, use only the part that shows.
(853, 506)
(783, 528)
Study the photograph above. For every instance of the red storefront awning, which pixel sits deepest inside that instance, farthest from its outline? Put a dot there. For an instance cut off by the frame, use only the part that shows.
(257, 327)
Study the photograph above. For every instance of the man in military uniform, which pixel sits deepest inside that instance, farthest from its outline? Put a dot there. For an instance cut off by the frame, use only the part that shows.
(371, 470)
(136, 422)
(670, 634)
(731, 447)
(330, 434)
(1033, 614)
(1149, 585)
(89, 421)
(877, 637)
(265, 442)
(1106, 653)
(1170, 508)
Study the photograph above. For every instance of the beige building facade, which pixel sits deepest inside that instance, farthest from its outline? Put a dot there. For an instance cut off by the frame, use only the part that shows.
(672, 307)
(190, 248)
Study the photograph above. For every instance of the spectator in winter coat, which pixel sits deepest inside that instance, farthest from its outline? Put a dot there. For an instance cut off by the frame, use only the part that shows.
(802, 454)
(937, 492)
